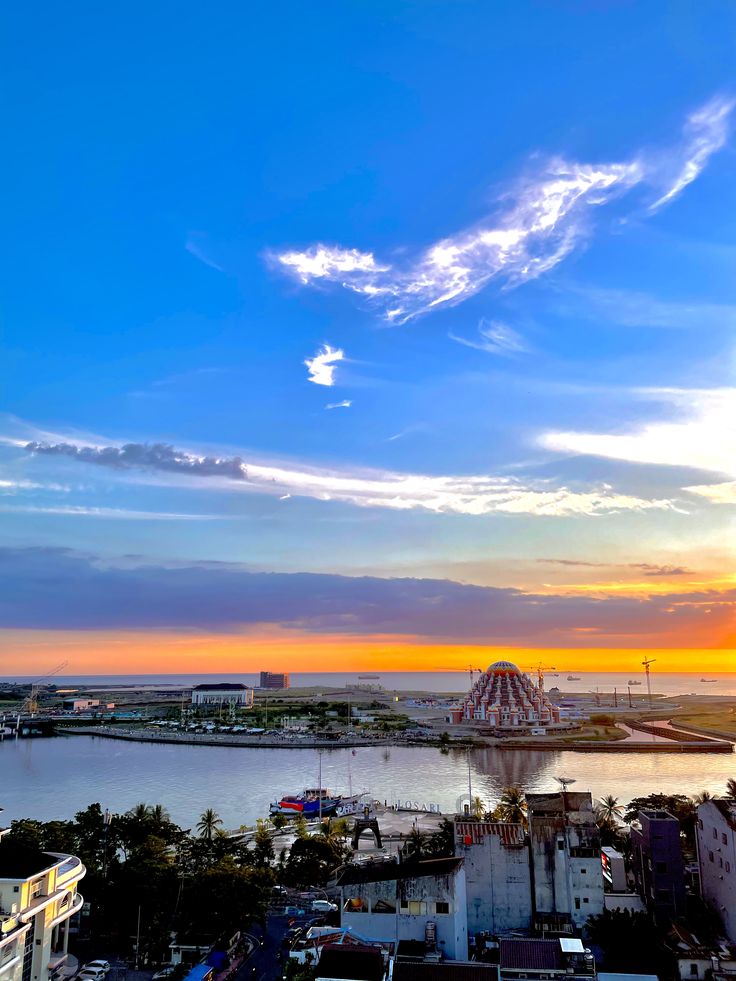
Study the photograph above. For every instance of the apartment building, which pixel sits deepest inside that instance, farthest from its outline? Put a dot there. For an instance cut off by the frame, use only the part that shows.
(657, 863)
(38, 897)
(716, 839)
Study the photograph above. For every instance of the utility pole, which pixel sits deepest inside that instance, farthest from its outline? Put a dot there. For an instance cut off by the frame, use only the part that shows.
(630, 702)
(138, 939)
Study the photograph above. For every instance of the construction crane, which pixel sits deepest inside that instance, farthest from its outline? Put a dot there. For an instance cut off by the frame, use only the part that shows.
(472, 671)
(540, 669)
(30, 703)
(646, 664)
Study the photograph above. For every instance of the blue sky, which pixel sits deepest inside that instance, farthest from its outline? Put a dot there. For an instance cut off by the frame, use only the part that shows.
(509, 228)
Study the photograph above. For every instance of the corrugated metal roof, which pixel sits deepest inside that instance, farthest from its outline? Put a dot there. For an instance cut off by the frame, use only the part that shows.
(533, 955)
(511, 835)
(386, 871)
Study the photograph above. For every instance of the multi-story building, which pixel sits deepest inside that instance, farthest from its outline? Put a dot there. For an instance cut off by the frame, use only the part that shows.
(214, 696)
(716, 840)
(417, 900)
(38, 897)
(274, 680)
(552, 960)
(565, 856)
(657, 863)
(497, 875)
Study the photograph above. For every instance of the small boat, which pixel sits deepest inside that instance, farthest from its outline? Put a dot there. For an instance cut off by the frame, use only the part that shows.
(709, 681)
(310, 802)
(632, 683)
(368, 677)
(573, 677)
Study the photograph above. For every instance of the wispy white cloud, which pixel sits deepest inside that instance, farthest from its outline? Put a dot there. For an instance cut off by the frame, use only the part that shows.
(194, 248)
(14, 486)
(724, 493)
(454, 494)
(345, 404)
(539, 222)
(632, 308)
(86, 511)
(321, 368)
(700, 433)
(494, 337)
(706, 131)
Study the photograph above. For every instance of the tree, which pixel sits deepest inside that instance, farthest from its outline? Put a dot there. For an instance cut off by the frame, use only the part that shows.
(263, 853)
(629, 941)
(208, 824)
(609, 808)
(702, 797)
(731, 788)
(678, 805)
(442, 843)
(279, 821)
(416, 844)
(512, 806)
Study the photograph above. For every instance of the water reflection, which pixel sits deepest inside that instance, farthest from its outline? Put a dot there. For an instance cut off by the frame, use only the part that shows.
(53, 778)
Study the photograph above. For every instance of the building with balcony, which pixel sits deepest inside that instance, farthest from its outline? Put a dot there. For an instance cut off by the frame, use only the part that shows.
(38, 898)
(716, 839)
(656, 858)
(215, 696)
(505, 698)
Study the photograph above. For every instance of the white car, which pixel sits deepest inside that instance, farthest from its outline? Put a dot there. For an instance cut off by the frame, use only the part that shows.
(91, 974)
(97, 966)
(323, 906)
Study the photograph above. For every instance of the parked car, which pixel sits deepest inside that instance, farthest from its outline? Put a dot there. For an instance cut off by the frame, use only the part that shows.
(293, 911)
(323, 906)
(166, 971)
(97, 966)
(91, 974)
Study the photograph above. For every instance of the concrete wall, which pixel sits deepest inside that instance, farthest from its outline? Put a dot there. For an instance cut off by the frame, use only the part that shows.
(498, 885)
(415, 903)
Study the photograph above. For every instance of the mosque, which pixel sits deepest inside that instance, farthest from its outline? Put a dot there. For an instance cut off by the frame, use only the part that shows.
(505, 698)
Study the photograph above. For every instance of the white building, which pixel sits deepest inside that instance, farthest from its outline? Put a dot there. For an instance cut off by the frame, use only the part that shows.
(214, 696)
(716, 840)
(38, 897)
(497, 875)
(565, 852)
(415, 900)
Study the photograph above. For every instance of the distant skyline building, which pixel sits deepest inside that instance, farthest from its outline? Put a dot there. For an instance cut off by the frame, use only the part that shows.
(274, 680)
(504, 697)
(222, 694)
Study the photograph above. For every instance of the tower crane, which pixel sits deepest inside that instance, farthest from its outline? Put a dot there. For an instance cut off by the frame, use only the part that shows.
(646, 662)
(30, 703)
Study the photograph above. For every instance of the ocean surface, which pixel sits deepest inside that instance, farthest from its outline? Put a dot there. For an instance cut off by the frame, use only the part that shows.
(437, 681)
(54, 778)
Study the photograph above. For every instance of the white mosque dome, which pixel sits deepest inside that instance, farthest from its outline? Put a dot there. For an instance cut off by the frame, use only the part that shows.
(503, 667)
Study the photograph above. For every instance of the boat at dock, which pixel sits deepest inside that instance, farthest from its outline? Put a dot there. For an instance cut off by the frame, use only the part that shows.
(709, 681)
(573, 677)
(312, 801)
(632, 683)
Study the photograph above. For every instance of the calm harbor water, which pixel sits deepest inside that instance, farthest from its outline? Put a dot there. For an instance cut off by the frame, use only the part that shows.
(665, 683)
(53, 778)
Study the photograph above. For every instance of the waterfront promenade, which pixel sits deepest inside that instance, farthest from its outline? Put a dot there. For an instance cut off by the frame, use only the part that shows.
(671, 742)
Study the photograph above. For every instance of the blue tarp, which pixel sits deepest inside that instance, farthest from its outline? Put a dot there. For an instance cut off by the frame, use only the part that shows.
(217, 959)
(200, 972)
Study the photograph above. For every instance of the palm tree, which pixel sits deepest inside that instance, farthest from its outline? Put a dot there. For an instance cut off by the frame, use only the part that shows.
(477, 808)
(512, 806)
(416, 843)
(208, 824)
(702, 797)
(609, 810)
(731, 788)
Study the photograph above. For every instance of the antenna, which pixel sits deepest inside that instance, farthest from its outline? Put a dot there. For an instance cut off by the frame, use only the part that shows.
(565, 782)
(646, 664)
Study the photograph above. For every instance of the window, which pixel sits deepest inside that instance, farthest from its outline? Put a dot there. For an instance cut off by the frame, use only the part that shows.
(720, 863)
(355, 904)
(443, 908)
(728, 866)
(577, 903)
(561, 844)
(710, 856)
(693, 970)
(383, 906)
(715, 833)
(700, 823)
(404, 904)
(583, 871)
(585, 899)
(724, 838)
(416, 908)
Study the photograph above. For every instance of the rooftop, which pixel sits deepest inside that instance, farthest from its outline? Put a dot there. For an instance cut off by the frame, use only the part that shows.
(552, 803)
(23, 862)
(534, 955)
(225, 686)
(386, 871)
(357, 963)
(444, 971)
